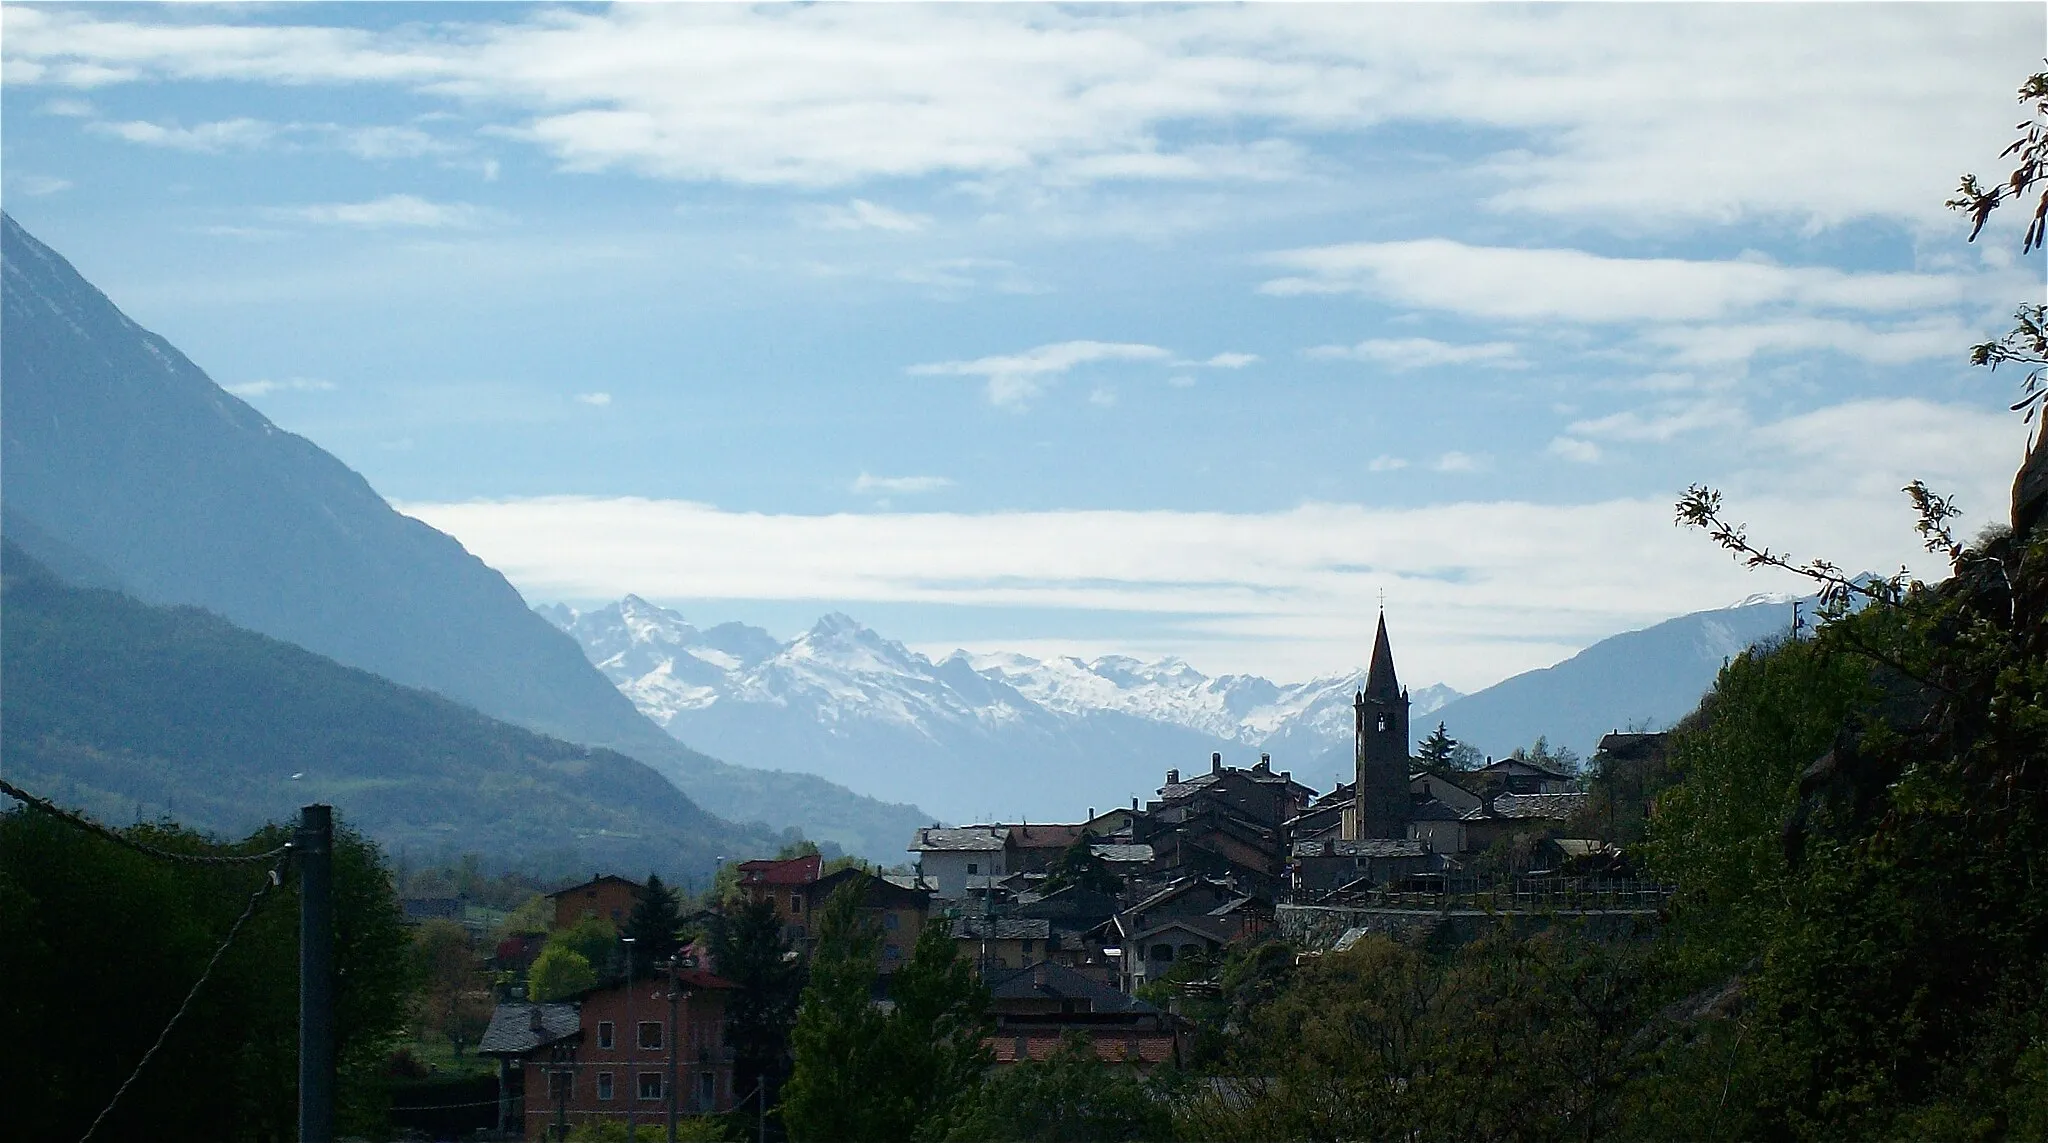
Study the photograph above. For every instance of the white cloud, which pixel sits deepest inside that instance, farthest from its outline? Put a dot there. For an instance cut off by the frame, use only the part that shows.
(39, 185)
(1626, 113)
(211, 138)
(1920, 340)
(600, 400)
(1420, 353)
(1455, 461)
(1015, 379)
(1486, 588)
(1384, 463)
(267, 386)
(1231, 360)
(1663, 422)
(860, 214)
(70, 108)
(900, 485)
(1578, 451)
(1558, 284)
(1102, 396)
(391, 210)
(390, 142)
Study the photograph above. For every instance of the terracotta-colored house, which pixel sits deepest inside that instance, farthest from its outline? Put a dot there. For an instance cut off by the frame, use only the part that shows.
(783, 882)
(608, 1050)
(898, 914)
(1037, 1007)
(609, 898)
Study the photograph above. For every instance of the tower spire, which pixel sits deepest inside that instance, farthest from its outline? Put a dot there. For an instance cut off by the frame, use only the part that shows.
(1380, 682)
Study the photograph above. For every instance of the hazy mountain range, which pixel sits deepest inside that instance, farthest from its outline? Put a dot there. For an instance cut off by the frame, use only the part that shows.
(125, 465)
(1006, 735)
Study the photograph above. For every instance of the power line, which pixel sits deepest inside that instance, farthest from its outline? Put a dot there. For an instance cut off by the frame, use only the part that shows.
(270, 881)
(90, 826)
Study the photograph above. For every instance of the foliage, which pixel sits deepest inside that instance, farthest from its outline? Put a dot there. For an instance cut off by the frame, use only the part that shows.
(1562, 759)
(1437, 751)
(750, 950)
(689, 1129)
(839, 1088)
(594, 939)
(865, 1074)
(559, 971)
(454, 999)
(1070, 1096)
(654, 926)
(101, 946)
(1078, 864)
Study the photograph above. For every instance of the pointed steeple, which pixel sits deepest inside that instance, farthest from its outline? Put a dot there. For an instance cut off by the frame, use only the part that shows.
(1380, 682)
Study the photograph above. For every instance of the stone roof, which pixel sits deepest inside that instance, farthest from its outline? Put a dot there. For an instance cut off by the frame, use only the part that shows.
(1431, 810)
(1045, 836)
(961, 839)
(1122, 853)
(1532, 807)
(1001, 928)
(1057, 981)
(1363, 847)
(512, 1033)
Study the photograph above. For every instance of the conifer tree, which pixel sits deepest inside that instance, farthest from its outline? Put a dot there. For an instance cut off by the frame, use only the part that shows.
(1438, 751)
(839, 1088)
(653, 926)
(751, 951)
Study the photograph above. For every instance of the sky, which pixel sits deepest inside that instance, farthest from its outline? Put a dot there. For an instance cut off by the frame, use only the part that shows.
(1189, 331)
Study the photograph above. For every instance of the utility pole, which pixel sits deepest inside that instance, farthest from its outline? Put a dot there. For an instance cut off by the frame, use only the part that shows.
(314, 845)
(674, 990)
(632, 1051)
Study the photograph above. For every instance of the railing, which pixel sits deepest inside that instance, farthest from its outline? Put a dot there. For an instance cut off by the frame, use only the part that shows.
(1517, 895)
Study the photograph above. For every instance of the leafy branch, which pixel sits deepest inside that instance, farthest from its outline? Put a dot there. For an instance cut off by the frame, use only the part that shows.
(1700, 507)
(2026, 344)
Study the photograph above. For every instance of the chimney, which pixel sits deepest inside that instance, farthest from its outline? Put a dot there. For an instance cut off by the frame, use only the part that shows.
(533, 1020)
(1038, 975)
(1134, 803)
(1091, 813)
(1216, 763)
(1173, 777)
(1265, 763)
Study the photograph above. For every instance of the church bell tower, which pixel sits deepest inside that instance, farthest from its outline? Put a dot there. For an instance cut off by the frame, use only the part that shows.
(1381, 728)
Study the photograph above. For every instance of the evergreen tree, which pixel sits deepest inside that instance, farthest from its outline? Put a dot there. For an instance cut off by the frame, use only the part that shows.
(839, 1089)
(751, 951)
(1439, 750)
(654, 926)
(936, 1032)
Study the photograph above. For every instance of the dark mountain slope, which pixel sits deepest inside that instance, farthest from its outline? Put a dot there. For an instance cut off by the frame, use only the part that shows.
(131, 710)
(125, 453)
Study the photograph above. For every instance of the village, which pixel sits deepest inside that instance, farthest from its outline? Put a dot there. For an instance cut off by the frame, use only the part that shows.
(1076, 928)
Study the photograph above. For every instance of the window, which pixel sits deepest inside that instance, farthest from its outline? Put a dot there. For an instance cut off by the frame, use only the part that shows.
(1383, 722)
(604, 1033)
(973, 868)
(1190, 950)
(892, 952)
(891, 921)
(796, 904)
(650, 1085)
(650, 1034)
(1161, 952)
(1027, 947)
(707, 1089)
(604, 1085)
(561, 1085)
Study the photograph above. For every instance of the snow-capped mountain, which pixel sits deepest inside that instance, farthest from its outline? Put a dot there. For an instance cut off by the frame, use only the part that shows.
(967, 736)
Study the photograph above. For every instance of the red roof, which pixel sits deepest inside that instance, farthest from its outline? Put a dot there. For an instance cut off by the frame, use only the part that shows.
(789, 871)
(1115, 1047)
(698, 978)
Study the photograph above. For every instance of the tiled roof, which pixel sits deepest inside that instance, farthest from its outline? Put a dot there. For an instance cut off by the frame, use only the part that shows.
(961, 838)
(1363, 847)
(1001, 928)
(1431, 810)
(1510, 764)
(598, 881)
(1122, 853)
(511, 1031)
(1143, 1047)
(1044, 836)
(790, 871)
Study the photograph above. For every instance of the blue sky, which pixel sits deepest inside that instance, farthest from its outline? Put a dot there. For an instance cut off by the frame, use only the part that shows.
(1146, 329)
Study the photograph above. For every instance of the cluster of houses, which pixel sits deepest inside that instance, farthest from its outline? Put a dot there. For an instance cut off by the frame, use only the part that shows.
(1180, 877)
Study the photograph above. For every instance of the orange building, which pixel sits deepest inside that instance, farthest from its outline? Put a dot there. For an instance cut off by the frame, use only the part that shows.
(783, 883)
(608, 898)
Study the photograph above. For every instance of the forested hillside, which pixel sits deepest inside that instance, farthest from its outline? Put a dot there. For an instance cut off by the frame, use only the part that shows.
(130, 711)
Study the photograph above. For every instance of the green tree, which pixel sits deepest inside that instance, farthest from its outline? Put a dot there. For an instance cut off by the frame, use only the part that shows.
(1070, 1097)
(751, 950)
(1078, 864)
(454, 999)
(559, 971)
(101, 945)
(937, 1029)
(1438, 750)
(654, 926)
(841, 1088)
